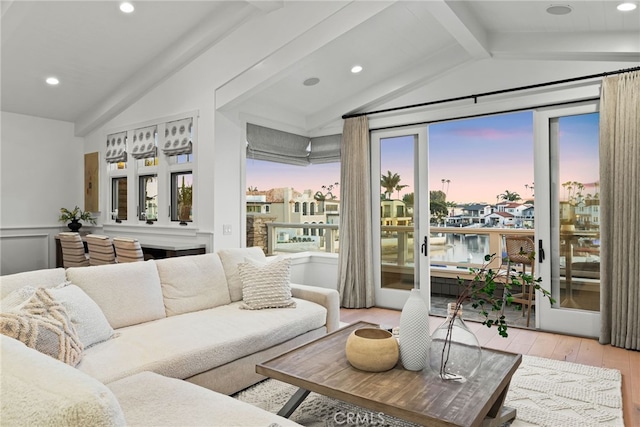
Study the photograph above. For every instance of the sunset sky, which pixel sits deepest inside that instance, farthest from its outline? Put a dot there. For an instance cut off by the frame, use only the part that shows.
(480, 157)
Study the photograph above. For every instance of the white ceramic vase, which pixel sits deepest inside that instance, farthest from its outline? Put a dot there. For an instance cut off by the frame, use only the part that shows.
(415, 338)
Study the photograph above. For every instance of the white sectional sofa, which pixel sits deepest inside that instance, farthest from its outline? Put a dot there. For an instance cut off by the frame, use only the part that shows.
(166, 321)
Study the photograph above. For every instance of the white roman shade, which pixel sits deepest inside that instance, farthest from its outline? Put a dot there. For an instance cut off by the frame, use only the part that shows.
(144, 143)
(277, 146)
(325, 149)
(116, 148)
(177, 137)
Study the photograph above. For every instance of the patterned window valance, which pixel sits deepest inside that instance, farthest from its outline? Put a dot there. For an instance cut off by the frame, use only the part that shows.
(177, 137)
(116, 148)
(144, 143)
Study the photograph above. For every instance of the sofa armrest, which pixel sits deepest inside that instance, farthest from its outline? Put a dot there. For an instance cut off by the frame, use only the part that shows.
(328, 298)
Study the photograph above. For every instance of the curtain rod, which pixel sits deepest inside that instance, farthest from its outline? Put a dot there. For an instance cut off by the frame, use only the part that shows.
(495, 92)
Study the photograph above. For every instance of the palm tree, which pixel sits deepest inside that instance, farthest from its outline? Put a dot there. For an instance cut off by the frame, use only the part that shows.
(509, 196)
(389, 183)
(399, 188)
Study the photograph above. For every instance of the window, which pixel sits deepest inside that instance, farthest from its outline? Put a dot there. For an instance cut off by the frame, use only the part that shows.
(181, 196)
(298, 176)
(161, 171)
(119, 199)
(148, 202)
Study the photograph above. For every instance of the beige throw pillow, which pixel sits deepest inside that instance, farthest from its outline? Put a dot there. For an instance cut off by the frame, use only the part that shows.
(43, 324)
(266, 285)
(87, 317)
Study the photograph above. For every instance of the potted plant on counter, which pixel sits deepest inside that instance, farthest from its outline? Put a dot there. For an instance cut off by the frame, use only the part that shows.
(73, 218)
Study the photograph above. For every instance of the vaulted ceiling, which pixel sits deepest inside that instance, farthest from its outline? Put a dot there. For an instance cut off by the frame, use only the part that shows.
(408, 49)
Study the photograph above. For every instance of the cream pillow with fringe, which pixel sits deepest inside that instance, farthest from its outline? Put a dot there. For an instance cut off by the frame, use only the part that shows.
(43, 324)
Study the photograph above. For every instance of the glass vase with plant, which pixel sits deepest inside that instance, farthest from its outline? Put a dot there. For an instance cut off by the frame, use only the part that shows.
(455, 352)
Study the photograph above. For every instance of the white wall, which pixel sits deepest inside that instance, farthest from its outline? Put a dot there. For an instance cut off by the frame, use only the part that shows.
(42, 170)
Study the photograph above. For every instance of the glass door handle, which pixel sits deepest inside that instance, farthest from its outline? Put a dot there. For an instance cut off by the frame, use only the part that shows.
(540, 251)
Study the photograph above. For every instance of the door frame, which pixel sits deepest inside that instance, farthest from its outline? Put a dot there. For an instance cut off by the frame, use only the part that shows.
(548, 317)
(396, 298)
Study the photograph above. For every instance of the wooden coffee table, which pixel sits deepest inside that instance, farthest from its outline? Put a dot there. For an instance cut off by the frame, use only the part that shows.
(420, 397)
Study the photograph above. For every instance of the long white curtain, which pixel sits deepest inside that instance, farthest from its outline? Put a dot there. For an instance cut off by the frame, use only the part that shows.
(355, 265)
(620, 210)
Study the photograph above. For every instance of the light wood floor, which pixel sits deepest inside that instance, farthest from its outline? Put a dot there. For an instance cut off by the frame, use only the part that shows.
(542, 344)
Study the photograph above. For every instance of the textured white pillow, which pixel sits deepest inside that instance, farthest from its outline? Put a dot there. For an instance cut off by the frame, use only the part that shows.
(230, 259)
(266, 285)
(15, 298)
(91, 324)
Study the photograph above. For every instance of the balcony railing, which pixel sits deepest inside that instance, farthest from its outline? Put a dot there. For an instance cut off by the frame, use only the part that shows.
(397, 244)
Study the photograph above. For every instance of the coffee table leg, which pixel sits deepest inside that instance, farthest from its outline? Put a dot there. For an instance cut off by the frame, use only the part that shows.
(293, 403)
(499, 414)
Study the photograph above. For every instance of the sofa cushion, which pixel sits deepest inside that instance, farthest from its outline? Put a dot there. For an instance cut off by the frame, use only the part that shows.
(230, 259)
(128, 293)
(192, 343)
(42, 323)
(16, 298)
(46, 278)
(153, 400)
(91, 324)
(39, 391)
(192, 283)
(266, 285)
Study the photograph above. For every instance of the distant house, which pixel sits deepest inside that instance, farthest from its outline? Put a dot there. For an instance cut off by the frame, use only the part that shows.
(499, 219)
(290, 206)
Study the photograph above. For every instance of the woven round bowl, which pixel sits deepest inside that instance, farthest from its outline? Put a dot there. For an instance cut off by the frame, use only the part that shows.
(372, 350)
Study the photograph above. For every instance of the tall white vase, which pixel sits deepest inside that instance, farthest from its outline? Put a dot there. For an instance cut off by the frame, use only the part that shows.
(415, 337)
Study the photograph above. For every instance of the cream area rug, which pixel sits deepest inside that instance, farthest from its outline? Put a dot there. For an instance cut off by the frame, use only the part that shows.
(544, 392)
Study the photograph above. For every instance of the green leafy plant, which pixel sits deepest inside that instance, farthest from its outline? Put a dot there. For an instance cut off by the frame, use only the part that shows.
(76, 214)
(481, 291)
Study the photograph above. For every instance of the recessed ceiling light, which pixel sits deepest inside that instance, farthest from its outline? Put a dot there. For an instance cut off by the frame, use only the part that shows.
(52, 81)
(311, 81)
(126, 7)
(356, 69)
(626, 7)
(559, 9)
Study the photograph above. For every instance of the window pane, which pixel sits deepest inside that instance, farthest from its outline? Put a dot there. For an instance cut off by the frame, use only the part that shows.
(119, 199)
(396, 207)
(149, 161)
(116, 166)
(305, 198)
(181, 196)
(181, 159)
(148, 198)
(579, 194)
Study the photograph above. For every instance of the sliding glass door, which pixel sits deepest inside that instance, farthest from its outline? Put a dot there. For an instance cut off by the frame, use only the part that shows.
(568, 159)
(399, 164)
